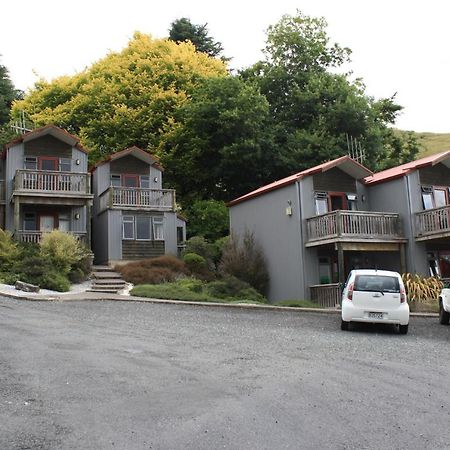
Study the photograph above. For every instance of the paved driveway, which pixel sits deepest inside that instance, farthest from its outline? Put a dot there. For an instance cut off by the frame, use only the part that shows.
(117, 375)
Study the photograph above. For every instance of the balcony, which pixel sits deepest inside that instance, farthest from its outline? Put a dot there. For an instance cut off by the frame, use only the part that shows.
(51, 184)
(138, 198)
(34, 237)
(433, 224)
(354, 226)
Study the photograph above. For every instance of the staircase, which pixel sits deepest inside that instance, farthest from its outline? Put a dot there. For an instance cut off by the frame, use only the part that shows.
(104, 279)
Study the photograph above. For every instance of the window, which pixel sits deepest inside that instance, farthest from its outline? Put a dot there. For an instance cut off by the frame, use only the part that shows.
(180, 235)
(30, 162)
(145, 181)
(128, 227)
(130, 181)
(64, 222)
(143, 227)
(434, 197)
(158, 229)
(29, 222)
(115, 180)
(48, 163)
(351, 202)
(65, 165)
(321, 203)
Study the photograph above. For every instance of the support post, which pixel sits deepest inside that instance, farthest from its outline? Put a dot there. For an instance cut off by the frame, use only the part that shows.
(403, 258)
(341, 269)
(16, 217)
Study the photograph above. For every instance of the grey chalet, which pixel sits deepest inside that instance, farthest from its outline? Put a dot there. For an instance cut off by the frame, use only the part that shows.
(45, 185)
(318, 224)
(133, 216)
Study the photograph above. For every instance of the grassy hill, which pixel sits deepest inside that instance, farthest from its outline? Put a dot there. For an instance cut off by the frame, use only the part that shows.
(432, 142)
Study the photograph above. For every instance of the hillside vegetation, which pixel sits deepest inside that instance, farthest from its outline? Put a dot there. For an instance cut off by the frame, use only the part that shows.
(431, 143)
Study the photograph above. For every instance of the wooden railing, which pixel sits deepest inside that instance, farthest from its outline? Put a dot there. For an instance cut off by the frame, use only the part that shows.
(53, 182)
(354, 224)
(433, 222)
(156, 199)
(326, 295)
(35, 236)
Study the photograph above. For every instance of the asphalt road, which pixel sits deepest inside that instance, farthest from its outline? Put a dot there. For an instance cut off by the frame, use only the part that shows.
(117, 375)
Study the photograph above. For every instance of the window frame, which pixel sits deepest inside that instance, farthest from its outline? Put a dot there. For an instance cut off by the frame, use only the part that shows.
(158, 222)
(30, 159)
(150, 228)
(126, 220)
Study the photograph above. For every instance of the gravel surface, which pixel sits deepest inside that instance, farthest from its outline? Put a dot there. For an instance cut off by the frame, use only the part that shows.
(121, 375)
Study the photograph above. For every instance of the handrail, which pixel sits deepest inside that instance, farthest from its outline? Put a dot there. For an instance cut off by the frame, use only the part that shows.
(51, 181)
(363, 224)
(433, 221)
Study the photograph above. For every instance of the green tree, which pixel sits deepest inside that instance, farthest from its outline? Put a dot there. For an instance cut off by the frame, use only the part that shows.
(8, 93)
(222, 142)
(313, 108)
(127, 98)
(183, 30)
(208, 218)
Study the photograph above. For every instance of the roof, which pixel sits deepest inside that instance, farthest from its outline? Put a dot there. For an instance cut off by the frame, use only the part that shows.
(52, 130)
(345, 163)
(133, 151)
(405, 169)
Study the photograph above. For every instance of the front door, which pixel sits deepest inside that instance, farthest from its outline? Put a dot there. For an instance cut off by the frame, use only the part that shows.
(47, 222)
(337, 201)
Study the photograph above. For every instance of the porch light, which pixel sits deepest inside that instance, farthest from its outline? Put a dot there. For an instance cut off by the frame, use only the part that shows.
(77, 216)
(155, 179)
(77, 162)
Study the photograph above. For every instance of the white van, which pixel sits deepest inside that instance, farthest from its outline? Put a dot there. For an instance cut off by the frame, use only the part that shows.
(376, 296)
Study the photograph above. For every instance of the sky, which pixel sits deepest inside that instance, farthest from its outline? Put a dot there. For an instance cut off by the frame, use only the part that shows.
(398, 47)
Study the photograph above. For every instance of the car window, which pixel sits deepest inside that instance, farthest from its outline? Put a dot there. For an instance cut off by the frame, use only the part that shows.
(378, 283)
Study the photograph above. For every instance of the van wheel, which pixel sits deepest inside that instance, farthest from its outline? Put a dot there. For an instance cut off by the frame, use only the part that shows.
(444, 316)
(344, 325)
(403, 329)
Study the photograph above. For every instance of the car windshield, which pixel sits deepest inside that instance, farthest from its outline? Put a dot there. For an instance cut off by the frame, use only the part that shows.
(376, 283)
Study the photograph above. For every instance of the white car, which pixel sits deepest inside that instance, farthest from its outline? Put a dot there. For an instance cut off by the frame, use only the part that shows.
(376, 296)
(444, 306)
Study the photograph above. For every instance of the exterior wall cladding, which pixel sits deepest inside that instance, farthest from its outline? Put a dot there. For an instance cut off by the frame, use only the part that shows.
(278, 218)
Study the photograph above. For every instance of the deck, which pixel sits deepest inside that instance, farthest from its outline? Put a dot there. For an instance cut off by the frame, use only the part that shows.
(354, 226)
(433, 224)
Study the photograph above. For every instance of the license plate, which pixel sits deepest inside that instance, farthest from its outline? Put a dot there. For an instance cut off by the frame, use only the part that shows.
(375, 315)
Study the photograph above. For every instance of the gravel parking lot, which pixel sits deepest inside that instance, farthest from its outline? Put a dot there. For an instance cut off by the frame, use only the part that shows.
(124, 375)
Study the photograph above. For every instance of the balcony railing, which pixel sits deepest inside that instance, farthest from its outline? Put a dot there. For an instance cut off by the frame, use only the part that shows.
(35, 236)
(354, 225)
(43, 181)
(326, 295)
(433, 223)
(142, 198)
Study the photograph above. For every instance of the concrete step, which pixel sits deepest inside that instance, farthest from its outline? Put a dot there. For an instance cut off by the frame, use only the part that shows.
(108, 281)
(100, 275)
(107, 291)
(102, 269)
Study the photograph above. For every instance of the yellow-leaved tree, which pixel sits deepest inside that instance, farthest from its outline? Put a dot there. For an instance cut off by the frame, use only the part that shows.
(127, 98)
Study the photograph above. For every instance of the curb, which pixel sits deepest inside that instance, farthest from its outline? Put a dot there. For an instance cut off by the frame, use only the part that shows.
(124, 298)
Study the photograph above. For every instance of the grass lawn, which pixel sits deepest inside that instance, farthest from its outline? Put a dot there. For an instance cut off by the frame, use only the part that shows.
(191, 290)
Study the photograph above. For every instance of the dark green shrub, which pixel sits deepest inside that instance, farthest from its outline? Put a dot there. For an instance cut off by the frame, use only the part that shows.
(77, 276)
(55, 281)
(200, 246)
(208, 218)
(9, 277)
(227, 287)
(198, 266)
(245, 260)
(32, 269)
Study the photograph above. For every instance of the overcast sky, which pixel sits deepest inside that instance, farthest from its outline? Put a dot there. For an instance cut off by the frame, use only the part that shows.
(398, 46)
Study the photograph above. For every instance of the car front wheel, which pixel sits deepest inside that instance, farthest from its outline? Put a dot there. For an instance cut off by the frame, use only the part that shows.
(403, 329)
(444, 316)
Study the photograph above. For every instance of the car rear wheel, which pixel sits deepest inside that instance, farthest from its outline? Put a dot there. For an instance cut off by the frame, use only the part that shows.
(403, 329)
(344, 325)
(444, 316)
